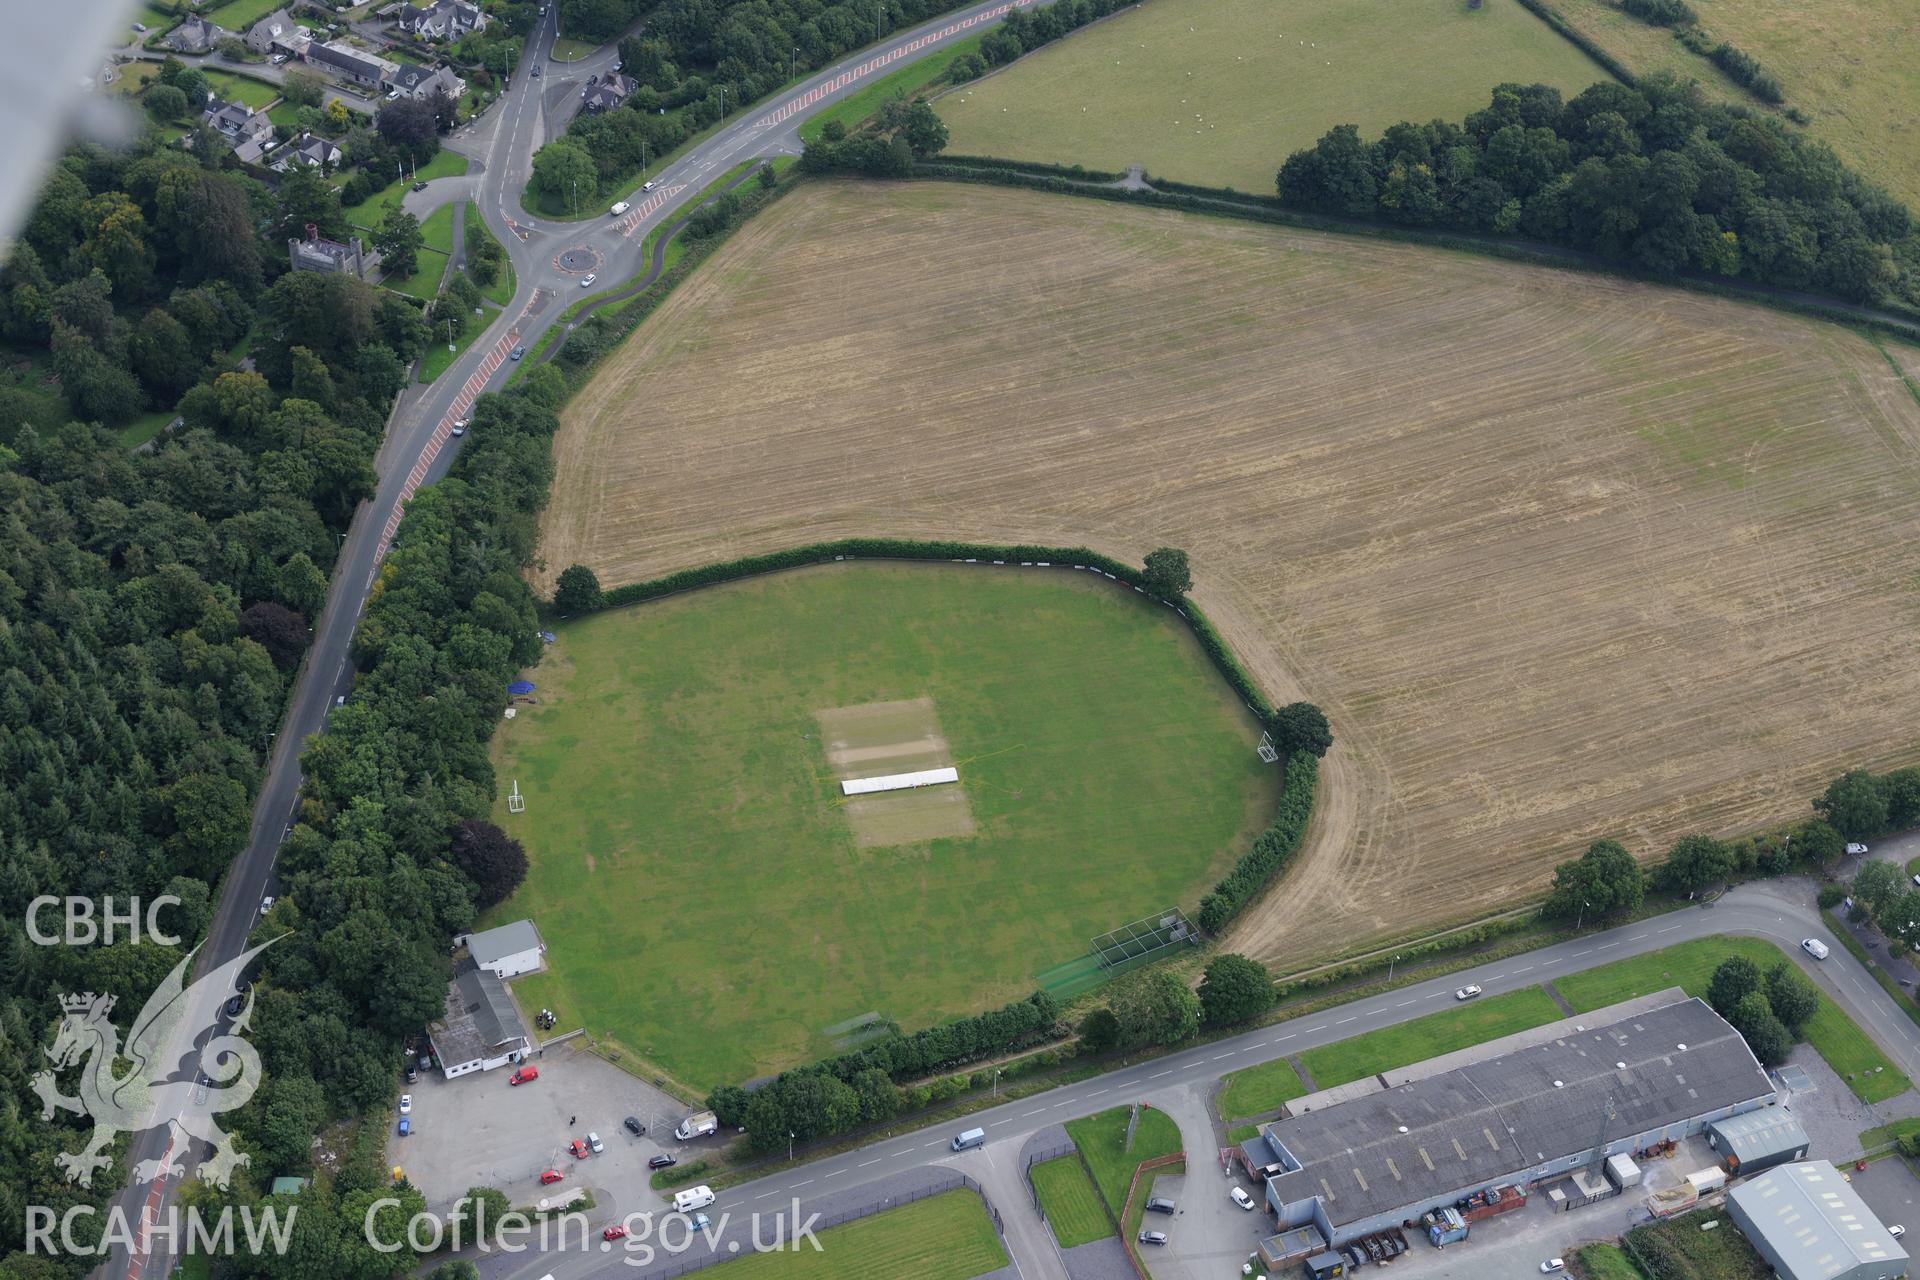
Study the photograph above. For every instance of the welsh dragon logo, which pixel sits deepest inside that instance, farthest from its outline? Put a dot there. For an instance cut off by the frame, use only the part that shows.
(145, 1095)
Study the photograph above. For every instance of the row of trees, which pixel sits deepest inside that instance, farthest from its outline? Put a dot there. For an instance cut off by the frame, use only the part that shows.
(1653, 175)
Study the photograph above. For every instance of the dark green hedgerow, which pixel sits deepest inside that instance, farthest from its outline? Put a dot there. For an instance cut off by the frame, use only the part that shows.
(1272, 849)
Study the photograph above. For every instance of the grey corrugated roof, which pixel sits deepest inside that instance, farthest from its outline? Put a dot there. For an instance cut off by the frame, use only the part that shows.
(1490, 1120)
(507, 940)
(480, 1019)
(1770, 1131)
(1813, 1222)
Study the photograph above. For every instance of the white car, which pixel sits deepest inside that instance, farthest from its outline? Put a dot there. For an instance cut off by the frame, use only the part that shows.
(141, 27)
(588, 282)
(620, 207)
(594, 1143)
(1896, 1231)
(1466, 993)
(460, 426)
(1553, 1264)
(646, 186)
(1814, 947)
(1856, 850)
(406, 1104)
(266, 904)
(1241, 1198)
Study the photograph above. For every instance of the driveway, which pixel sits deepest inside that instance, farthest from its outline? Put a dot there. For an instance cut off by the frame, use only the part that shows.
(477, 1130)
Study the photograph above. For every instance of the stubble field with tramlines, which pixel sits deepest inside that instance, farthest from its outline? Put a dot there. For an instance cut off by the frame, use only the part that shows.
(1562, 556)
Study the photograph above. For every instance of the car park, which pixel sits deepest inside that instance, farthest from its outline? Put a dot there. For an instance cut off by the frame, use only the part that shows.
(406, 1104)
(406, 1125)
(1241, 1198)
(662, 1160)
(1466, 993)
(1814, 947)
(550, 1177)
(1160, 1204)
(523, 1075)
(1153, 1237)
(634, 1126)
(1856, 850)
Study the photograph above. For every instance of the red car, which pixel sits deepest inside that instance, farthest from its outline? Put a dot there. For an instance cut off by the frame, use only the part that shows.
(523, 1075)
(550, 1177)
(579, 1149)
(613, 1233)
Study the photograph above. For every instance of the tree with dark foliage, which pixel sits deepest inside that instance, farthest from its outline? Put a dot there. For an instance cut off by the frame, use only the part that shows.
(491, 858)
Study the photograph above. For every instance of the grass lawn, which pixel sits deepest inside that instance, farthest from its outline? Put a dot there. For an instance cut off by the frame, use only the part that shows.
(243, 89)
(675, 754)
(1070, 1202)
(1221, 91)
(368, 212)
(1100, 1138)
(1887, 1134)
(429, 268)
(237, 15)
(1604, 1262)
(1690, 965)
(1474, 1022)
(437, 231)
(438, 358)
(1258, 1090)
(907, 81)
(500, 292)
(145, 427)
(565, 50)
(152, 19)
(1241, 1132)
(1692, 1254)
(945, 1237)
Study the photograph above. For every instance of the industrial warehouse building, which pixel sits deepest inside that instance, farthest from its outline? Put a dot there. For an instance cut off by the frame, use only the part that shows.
(1758, 1140)
(1810, 1225)
(1530, 1108)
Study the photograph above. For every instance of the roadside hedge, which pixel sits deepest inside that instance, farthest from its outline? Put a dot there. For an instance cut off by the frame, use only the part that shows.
(1555, 19)
(1078, 173)
(1272, 849)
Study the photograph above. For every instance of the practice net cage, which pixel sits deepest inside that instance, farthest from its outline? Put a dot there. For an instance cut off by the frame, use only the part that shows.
(1147, 936)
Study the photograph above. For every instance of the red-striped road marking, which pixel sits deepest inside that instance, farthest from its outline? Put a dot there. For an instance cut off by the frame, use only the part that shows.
(469, 391)
(658, 198)
(150, 1212)
(786, 110)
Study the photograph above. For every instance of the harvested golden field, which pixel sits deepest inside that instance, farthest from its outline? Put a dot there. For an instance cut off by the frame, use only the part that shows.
(1561, 556)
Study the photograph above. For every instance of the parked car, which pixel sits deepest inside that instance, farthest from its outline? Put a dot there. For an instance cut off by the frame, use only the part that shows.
(1814, 947)
(661, 1161)
(406, 1104)
(588, 282)
(1553, 1264)
(579, 1149)
(1241, 1198)
(1857, 850)
(550, 1177)
(420, 186)
(141, 27)
(614, 1232)
(634, 1126)
(1466, 993)
(266, 904)
(594, 1144)
(411, 1073)
(277, 59)
(1153, 1237)
(523, 1075)
(1160, 1204)
(406, 1125)
(1896, 1231)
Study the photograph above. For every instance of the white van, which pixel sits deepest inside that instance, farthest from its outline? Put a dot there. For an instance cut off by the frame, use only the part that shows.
(971, 1138)
(621, 208)
(692, 1198)
(1815, 948)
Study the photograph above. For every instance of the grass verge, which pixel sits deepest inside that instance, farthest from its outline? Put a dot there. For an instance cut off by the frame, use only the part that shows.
(1101, 1140)
(1689, 966)
(500, 292)
(1428, 1037)
(438, 357)
(424, 283)
(907, 81)
(944, 1237)
(437, 231)
(1071, 1204)
(1257, 1090)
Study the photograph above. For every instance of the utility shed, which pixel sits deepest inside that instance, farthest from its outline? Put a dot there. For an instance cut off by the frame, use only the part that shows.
(508, 951)
(1810, 1225)
(1759, 1140)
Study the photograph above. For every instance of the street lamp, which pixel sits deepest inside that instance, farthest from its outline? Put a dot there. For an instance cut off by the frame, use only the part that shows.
(792, 61)
(449, 333)
(789, 1146)
(996, 1082)
(1583, 916)
(1390, 963)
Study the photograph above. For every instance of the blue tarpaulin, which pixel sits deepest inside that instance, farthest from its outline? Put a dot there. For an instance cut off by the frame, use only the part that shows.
(520, 687)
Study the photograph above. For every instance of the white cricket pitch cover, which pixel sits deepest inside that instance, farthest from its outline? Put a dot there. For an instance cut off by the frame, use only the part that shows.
(899, 781)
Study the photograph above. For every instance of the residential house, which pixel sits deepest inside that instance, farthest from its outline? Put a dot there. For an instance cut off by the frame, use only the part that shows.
(312, 252)
(355, 66)
(608, 94)
(424, 82)
(247, 131)
(195, 35)
(306, 151)
(278, 33)
(442, 20)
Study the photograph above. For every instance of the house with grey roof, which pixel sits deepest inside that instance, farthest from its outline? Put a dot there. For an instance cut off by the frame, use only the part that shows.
(424, 82)
(247, 131)
(1809, 1224)
(482, 1028)
(278, 33)
(508, 951)
(607, 94)
(308, 151)
(443, 20)
(355, 66)
(1541, 1107)
(195, 35)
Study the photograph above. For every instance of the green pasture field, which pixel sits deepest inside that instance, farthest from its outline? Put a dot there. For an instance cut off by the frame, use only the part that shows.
(1255, 1091)
(704, 900)
(1475, 1022)
(944, 1237)
(1689, 966)
(1219, 92)
(1101, 1139)
(1072, 1205)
